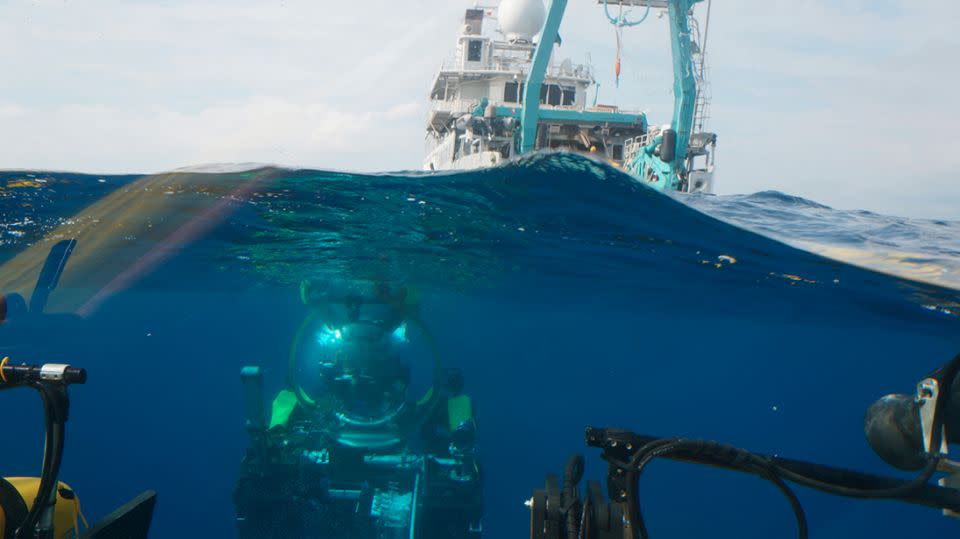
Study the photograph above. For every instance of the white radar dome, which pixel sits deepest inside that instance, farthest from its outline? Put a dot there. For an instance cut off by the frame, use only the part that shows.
(521, 19)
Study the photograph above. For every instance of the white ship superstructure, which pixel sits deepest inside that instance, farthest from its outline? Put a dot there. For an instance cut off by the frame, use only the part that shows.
(476, 98)
(481, 111)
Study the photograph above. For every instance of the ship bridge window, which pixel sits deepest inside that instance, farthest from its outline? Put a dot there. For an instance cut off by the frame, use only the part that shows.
(569, 95)
(554, 95)
(474, 50)
(551, 94)
(513, 92)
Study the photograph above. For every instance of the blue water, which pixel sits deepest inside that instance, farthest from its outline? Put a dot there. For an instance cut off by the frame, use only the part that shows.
(567, 293)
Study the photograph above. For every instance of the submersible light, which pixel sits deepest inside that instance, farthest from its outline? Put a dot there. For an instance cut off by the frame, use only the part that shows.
(892, 426)
(900, 427)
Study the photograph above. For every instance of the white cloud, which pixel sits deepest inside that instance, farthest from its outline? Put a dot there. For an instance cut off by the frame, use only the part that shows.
(405, 110)
(138, 139)
(10, 110)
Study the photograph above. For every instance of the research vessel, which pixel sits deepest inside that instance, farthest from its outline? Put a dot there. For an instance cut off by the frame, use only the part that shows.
(505, 94)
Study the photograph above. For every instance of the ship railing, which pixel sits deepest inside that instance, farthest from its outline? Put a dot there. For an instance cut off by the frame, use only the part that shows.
(512, 65)
(456, 105)
(578, 71)
(445, 105)
(633, 146)
(467, 105)
(655, 4)
(451, 106)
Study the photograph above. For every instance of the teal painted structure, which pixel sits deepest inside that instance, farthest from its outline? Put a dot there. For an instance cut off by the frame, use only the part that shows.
(529, 117)
(653, 170)
(621, 20)
(647, 164)
(580, 116)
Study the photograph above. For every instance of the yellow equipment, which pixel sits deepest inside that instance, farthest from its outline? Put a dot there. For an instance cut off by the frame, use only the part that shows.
(17, 495)
(56, 517)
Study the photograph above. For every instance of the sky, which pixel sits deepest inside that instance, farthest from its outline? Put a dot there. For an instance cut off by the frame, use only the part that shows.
(851, 103)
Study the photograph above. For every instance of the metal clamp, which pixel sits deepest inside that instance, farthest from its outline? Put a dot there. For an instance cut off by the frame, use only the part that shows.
(53, 372)
(928, 392)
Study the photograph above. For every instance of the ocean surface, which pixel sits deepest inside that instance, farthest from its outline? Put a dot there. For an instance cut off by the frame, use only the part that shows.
(568, 294)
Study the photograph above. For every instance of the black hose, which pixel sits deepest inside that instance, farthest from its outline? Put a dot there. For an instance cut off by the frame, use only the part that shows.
(851, 492)
(54, 420)
(646, 449)
(945, 378)
(798, 512)
(639, 461)
(48, 497)
(571, 478)
(738, 459)
(30, 522)
(777, 470)
(572, 474)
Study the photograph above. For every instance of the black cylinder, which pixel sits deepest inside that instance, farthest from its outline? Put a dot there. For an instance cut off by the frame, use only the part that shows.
(668, 146)
(18, 374)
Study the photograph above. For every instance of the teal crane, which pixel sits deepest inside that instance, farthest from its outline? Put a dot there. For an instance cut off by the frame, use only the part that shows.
(664, 169)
